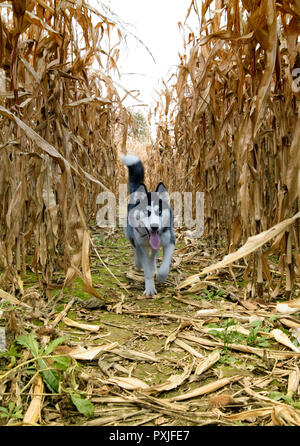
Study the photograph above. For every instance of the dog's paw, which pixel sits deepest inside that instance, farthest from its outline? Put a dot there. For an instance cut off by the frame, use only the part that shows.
(150, 290)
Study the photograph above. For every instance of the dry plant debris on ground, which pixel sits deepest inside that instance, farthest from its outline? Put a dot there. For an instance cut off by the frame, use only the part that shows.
(198, 354)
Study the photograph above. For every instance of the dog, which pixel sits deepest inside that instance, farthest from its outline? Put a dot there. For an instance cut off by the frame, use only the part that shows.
(149, 224)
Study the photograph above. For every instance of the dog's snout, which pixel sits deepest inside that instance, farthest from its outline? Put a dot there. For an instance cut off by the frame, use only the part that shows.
(154, 227)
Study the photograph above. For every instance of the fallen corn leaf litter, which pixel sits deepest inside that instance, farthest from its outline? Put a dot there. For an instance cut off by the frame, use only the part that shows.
(200, 352)
(179, 358)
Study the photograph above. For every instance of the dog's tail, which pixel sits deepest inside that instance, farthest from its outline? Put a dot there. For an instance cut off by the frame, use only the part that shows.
(136, 171)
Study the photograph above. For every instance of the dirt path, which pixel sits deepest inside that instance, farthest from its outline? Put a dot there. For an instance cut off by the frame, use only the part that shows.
(179, 358)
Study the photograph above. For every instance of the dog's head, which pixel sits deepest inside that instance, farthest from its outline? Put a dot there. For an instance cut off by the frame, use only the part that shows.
(149, 212)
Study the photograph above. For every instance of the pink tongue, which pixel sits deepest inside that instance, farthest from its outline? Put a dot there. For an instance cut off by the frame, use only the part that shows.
(154, 240)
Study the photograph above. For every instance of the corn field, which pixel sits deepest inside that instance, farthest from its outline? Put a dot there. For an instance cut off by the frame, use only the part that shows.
(79, 343)
(60, 113)
(230, 126)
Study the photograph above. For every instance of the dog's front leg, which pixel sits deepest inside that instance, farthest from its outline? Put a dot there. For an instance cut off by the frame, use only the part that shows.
(147, 265)
(165, 265)
(153, 255)
(137, 261)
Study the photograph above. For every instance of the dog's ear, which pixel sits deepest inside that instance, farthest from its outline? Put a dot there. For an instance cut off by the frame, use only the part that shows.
(161, 188)
(162, 192)
(142, 189)
(140, 195)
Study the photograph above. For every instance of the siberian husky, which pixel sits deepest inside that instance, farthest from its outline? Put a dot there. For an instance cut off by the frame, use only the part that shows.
(149, 224)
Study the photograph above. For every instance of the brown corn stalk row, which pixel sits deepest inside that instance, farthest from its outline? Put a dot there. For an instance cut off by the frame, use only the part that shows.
(59, 113)
(229, 126)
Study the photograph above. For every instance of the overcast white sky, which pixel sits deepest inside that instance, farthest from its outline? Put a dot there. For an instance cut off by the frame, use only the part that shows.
(155, 23)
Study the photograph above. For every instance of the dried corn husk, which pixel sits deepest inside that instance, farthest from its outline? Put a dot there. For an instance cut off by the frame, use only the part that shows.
(293, 382)
(284, 339)
(75, 324)
(128, 383)
(208, 388)
(86, 354)
(33, 413)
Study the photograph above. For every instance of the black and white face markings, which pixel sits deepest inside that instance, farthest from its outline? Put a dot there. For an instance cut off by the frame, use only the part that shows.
(149, 210)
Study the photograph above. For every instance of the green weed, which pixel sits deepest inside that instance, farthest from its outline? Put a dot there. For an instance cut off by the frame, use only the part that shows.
(254, 339)
(83, 405)
(49, 374)
(12, 411)
(277, 396)
(209, 294)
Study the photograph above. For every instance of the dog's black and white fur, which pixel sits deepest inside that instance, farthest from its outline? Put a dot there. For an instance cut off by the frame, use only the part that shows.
(149, 224)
